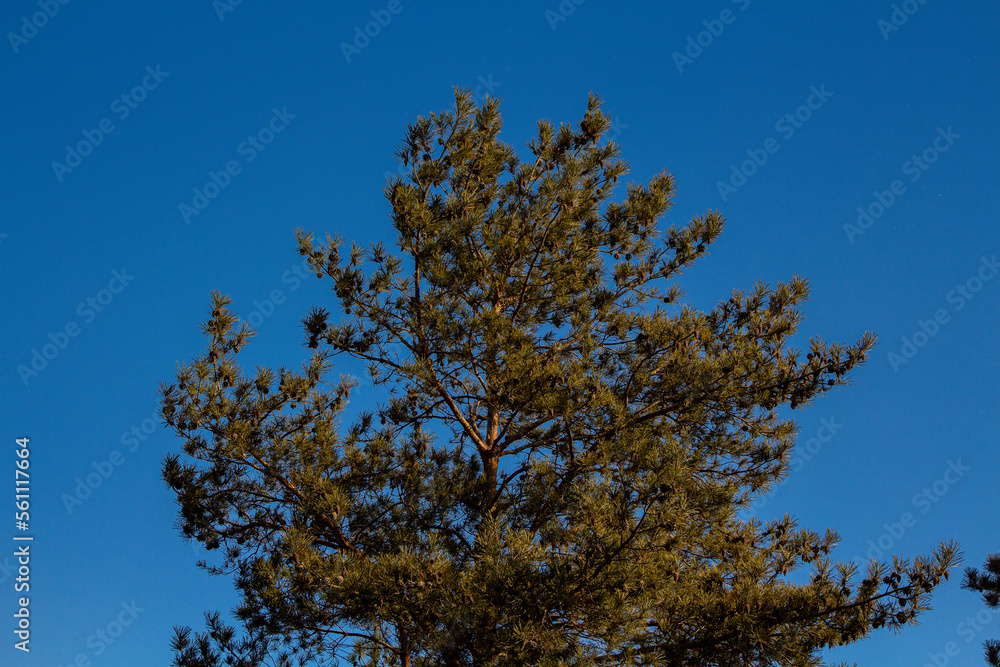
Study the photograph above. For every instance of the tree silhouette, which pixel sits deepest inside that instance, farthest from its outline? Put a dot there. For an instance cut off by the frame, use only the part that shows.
(556, 474)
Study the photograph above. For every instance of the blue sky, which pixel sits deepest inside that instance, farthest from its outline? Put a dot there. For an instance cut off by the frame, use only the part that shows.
(787, 117)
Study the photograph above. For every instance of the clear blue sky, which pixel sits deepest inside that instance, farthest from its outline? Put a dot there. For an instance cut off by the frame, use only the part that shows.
(844, 109)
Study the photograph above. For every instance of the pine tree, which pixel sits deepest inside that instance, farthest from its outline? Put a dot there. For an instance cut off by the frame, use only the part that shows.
(987, 582)
(557, 474)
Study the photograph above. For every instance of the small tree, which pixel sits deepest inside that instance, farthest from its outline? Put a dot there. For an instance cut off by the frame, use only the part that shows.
(556, 476)
(987, 582)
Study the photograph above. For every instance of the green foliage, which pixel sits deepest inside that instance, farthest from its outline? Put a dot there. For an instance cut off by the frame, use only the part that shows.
(556, 476)
(987, 582)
